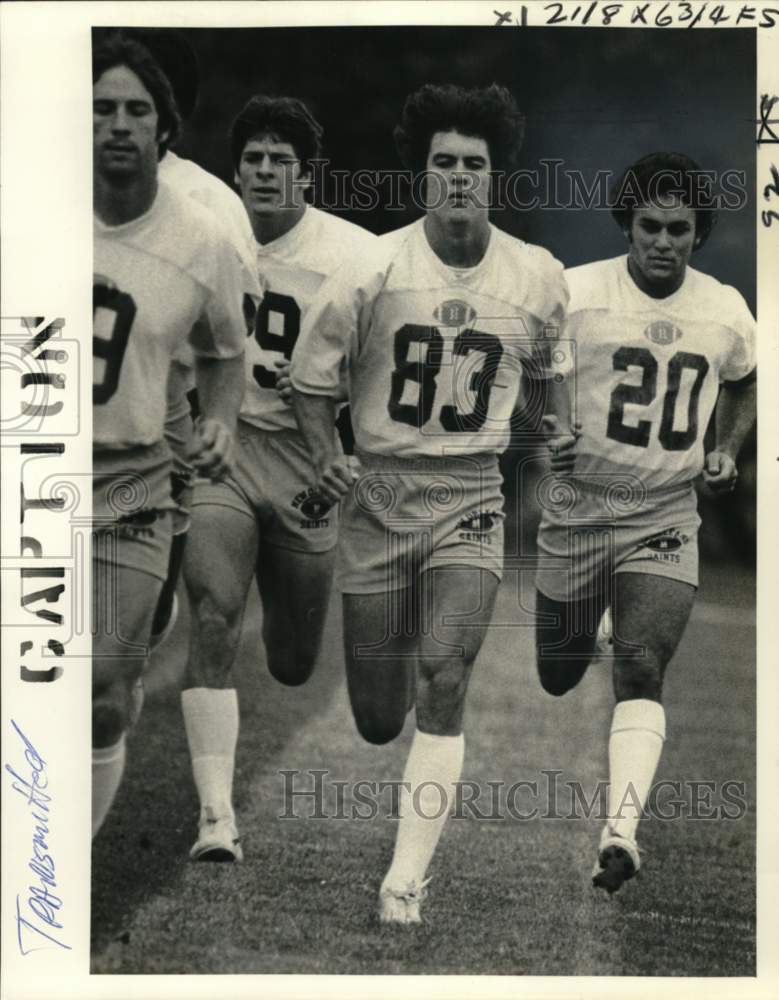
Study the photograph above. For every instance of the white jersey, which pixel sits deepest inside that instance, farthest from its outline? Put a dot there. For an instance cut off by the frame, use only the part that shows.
(648, 371)
(291, 270)
(433, 354)
(168, 278)
(188, 178)
(192, 180)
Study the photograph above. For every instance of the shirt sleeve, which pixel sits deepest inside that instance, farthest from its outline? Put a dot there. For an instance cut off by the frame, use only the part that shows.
(233, 296)
(742, 357)
(330, 330)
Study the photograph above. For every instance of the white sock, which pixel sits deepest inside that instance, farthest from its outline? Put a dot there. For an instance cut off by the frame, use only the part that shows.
(635, 745)
(107, 770)
(211, 722)
(424, 810)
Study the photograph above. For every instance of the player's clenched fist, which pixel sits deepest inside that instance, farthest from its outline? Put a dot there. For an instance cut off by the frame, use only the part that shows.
(283, 383)
(562, 447)
(337, 476)
(212, 452)
(719, 472)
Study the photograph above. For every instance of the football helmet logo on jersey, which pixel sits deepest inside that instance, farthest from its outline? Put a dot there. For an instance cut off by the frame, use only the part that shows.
(662, 332)
(454, 312)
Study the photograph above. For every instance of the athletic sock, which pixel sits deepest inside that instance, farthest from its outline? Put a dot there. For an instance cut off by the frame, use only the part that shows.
(107, 769)
(211, 722)
(635, 745)
(434, 764)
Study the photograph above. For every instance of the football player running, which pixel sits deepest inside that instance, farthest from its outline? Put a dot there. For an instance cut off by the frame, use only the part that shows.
(433, 328)
(656, 342)
(178, 61)
(166, 279)
(267, 517)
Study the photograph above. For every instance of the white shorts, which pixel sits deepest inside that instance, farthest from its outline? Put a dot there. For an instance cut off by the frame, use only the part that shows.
(582, 541)
(407, 515)
(273, 483)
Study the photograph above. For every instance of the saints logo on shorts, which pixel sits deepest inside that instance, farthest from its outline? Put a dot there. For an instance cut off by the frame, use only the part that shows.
(313, 506)
(665, 543)
(477, 526)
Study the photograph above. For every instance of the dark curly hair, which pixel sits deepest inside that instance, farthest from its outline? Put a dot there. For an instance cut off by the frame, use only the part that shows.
(660, 174)
(489, 113)
(119, 50)
(287, 118)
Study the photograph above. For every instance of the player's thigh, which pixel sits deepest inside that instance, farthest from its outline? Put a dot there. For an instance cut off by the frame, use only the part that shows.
(456, 605)
(122, 610)
(219, 558)
(566, 631)
(650, 613)
(295, 591)
(380, 651)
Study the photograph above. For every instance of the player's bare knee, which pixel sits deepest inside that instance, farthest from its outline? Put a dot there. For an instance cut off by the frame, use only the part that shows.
(218, 622)
(289, 666)
(110, 718)
(291, 658)
(638, 677)
(442, 683)
(382, 726)
(555, 678)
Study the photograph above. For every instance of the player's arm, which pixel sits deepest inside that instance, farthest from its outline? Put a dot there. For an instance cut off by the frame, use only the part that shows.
(335, 472)
(734, 418)
(562, 431)
(218, 340)
(220, 385)
(317, 377)
(554, 364)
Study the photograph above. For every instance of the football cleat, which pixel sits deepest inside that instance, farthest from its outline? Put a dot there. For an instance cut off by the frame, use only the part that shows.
(157, 638)
(401, 906)
(618, 861)
(604, 640)
(217, 840)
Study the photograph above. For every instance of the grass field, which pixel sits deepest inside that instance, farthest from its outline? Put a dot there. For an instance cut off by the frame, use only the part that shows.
(508, 896)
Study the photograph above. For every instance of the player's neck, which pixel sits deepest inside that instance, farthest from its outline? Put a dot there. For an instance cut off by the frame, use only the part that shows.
(274, 225)
(457, 244)
(653, 289)
(116, 204)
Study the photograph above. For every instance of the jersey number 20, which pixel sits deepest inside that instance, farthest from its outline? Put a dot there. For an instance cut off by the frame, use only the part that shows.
(644, 394)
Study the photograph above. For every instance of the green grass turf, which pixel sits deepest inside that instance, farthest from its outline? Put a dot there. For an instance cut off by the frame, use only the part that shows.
(508, 896)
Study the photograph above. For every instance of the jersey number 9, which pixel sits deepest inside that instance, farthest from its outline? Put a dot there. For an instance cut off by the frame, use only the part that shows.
(114, 312)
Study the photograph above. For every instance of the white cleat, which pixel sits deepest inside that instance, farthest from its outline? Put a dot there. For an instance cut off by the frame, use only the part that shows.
(401, 906)
(156, 640)
(604, 640)
(217, 840)
(618, 861)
